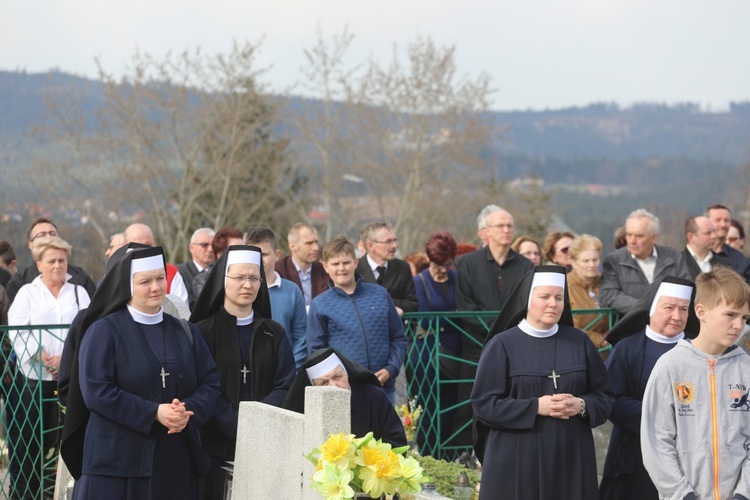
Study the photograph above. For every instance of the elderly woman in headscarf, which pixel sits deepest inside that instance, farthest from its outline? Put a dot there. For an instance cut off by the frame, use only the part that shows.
(252, 352)
(50, 299)
(663, 316)
(142, 384)
(371, 409)
(540, 389)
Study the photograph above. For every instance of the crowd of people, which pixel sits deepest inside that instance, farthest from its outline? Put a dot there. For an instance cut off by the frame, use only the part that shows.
(152, 399)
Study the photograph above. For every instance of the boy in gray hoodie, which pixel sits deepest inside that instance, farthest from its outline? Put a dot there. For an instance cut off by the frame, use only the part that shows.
(695, 425)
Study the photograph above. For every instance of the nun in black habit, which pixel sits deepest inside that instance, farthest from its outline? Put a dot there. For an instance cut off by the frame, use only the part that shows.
(142, 384)
(252, 352)
(74, 332)
(663, 316)
(371, 410)
(540, 388)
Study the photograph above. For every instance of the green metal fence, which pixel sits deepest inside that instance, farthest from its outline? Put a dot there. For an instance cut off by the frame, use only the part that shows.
(31, 416)
(433, 374)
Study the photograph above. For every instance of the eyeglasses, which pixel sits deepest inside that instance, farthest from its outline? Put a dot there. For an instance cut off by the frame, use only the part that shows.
(564, 250)
(43, 234)
(501, 226)
(202, 245)
(387, 242)
(529, 254)
(252, 280)
(445, 266)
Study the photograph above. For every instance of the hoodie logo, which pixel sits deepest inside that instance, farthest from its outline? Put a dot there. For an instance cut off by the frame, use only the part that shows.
(740, 397)
(684, 392)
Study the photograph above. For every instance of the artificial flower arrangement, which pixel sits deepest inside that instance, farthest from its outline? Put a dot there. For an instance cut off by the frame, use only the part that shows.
(409, 416)
(345, 465)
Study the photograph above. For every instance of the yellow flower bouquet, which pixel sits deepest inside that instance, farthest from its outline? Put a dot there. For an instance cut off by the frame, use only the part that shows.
(345, 465)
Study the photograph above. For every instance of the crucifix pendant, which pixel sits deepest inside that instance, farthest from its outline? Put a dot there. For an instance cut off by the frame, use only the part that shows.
(244, 373)
(554, 378)
(163, 376)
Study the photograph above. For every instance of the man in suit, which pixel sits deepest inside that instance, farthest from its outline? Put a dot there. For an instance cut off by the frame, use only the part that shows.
(629, 270)
(701, 237)
(302, 266)
(380, 265)
(721, 218)
(202, 255)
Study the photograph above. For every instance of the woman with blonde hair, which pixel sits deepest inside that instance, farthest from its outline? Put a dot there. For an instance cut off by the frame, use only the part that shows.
(583, 286)
(50, 299)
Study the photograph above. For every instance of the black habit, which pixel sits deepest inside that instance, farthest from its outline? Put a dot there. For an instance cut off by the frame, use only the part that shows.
(371, 410)
(630, 364)
(525, 455)
(255, 363)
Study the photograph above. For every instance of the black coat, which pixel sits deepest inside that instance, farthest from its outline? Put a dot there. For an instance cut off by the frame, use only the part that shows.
(692, 266)
(624, 474)
(398, 281)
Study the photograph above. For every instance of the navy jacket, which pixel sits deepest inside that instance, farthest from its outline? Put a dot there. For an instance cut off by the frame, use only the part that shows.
(121, 431)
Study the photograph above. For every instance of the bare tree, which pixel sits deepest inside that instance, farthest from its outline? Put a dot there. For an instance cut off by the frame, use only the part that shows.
(185, 141)
(322, 124)
(421, 128)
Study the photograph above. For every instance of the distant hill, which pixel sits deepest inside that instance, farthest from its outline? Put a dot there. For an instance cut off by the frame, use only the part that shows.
(603, 159)
(598, 130)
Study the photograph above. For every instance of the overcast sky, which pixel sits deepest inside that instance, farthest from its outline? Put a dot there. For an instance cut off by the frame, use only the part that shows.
(539, 53)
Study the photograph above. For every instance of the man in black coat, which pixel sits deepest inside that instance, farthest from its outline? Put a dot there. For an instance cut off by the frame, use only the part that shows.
(698, 254)
(39, 228)
(721, 218)
(381, 266)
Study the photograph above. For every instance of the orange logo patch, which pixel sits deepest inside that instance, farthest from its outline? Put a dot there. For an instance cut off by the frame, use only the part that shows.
(684, 392)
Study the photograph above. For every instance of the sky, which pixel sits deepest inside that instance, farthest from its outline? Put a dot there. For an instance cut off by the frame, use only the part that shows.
(539, 54)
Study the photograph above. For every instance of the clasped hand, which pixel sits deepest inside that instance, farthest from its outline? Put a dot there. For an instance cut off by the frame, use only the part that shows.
(174, 416)
(562, 406)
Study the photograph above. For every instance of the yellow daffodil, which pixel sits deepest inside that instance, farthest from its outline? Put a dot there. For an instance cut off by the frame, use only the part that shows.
(345, 464)
(332, 483)
(380, 474)
(412, 474)
(338, 450)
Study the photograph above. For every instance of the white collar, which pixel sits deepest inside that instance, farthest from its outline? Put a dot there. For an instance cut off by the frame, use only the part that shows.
(39, 283)
(654, 254)
(299, 269)
(707, 258)
(145, 318)
(663, 339)
(534, 332)
(246, 321)
(277, 281)
(373, 264)
(200, 267)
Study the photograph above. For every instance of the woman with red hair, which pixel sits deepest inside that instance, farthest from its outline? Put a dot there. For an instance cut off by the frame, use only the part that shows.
(436, 287)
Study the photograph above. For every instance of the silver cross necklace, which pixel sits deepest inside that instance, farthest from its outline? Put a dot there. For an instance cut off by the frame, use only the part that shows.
(163, 374)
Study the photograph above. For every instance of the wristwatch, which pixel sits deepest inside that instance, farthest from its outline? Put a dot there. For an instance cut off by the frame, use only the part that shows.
(583, 411)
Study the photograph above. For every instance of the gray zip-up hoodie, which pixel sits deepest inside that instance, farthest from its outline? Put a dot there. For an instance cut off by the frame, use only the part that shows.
(695, 425)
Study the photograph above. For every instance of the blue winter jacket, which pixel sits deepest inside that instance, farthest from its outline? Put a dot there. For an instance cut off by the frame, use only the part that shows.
(364, 327)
